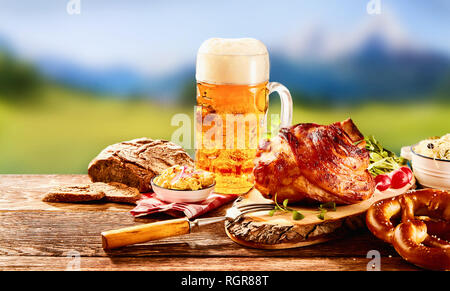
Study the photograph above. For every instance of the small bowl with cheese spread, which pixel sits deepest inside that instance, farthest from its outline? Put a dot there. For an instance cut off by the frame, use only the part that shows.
(183, 184)
(430, 159)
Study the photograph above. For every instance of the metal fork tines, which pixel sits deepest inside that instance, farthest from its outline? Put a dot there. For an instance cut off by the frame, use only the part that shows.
(234, 213)
(237, 211)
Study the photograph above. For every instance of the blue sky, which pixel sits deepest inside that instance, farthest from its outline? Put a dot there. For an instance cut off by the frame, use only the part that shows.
(158, 36)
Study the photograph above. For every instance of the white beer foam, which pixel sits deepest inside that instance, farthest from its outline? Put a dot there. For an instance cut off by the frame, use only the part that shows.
(240, 61)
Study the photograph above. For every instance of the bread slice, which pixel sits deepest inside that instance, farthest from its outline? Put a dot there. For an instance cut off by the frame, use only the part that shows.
(75, 193)
(118, 192)
(112, 192)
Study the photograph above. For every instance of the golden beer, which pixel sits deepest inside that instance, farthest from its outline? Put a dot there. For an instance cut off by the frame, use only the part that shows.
(232, 100)
(230, 157)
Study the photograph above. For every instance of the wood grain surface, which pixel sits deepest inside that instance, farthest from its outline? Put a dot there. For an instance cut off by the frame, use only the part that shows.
(35, 235)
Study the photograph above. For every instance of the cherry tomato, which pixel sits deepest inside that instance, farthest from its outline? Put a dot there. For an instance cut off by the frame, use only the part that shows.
(383, 182)
(408, 172)
(399, 179)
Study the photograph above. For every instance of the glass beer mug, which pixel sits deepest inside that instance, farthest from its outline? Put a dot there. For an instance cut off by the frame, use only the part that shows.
(232, 101)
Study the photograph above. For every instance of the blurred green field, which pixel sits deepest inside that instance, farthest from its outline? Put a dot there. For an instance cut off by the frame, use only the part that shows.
(64, 130)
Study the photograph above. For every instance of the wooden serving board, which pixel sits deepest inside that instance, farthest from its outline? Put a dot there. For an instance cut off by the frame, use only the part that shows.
(280, 231)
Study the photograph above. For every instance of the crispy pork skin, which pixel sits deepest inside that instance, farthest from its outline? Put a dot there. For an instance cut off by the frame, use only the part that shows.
(311, 162)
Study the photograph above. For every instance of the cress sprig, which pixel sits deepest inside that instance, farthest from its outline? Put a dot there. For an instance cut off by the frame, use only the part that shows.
(323, 208)
(382, 160)
(295, 214)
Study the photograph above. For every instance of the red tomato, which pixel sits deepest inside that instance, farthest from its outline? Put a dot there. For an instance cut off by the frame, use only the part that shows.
(408, 172)
(399, 179)
(383, 182)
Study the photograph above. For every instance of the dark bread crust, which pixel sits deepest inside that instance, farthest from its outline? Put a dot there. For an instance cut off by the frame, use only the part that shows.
(136, 162)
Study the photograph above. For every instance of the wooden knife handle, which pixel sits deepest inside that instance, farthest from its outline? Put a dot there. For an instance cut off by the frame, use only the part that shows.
(145, 232)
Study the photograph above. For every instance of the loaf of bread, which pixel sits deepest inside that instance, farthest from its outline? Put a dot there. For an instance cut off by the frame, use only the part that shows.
(136, 162)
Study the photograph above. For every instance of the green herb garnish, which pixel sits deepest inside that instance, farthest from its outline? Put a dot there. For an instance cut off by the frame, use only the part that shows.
(297, 215)
(324, 209)
(382, 160)
(321, 215)
(328, 205)
(284, 207)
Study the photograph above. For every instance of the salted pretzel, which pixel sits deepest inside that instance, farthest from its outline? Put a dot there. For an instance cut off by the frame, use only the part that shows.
(417, 224)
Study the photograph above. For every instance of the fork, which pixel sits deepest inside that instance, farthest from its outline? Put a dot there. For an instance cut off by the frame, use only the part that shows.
(112, 239)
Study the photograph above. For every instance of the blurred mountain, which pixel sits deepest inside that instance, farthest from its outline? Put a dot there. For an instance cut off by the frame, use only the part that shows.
(5, 45)
(121, 81)
(373, 71)
(378, 60)
(117, 80)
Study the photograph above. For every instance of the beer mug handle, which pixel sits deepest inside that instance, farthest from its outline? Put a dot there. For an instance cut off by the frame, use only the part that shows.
(286, 102)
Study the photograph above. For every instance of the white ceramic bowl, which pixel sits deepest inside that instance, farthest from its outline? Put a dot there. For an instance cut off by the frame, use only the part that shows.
(181, 196)
(433, 173)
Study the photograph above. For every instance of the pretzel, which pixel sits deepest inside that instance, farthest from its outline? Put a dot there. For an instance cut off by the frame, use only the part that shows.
(417, 224)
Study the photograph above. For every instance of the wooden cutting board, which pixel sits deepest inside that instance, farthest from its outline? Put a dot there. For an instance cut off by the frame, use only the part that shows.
(280, 231)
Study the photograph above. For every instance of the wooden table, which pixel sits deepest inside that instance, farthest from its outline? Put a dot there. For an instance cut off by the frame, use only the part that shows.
(35, 235)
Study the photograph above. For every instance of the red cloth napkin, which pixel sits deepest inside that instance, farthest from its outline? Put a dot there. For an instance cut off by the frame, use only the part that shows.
(150, 204)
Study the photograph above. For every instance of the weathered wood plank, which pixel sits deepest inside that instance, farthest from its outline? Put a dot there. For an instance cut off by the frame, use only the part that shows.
(200, 264)
(43, 233)
(35, 235)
